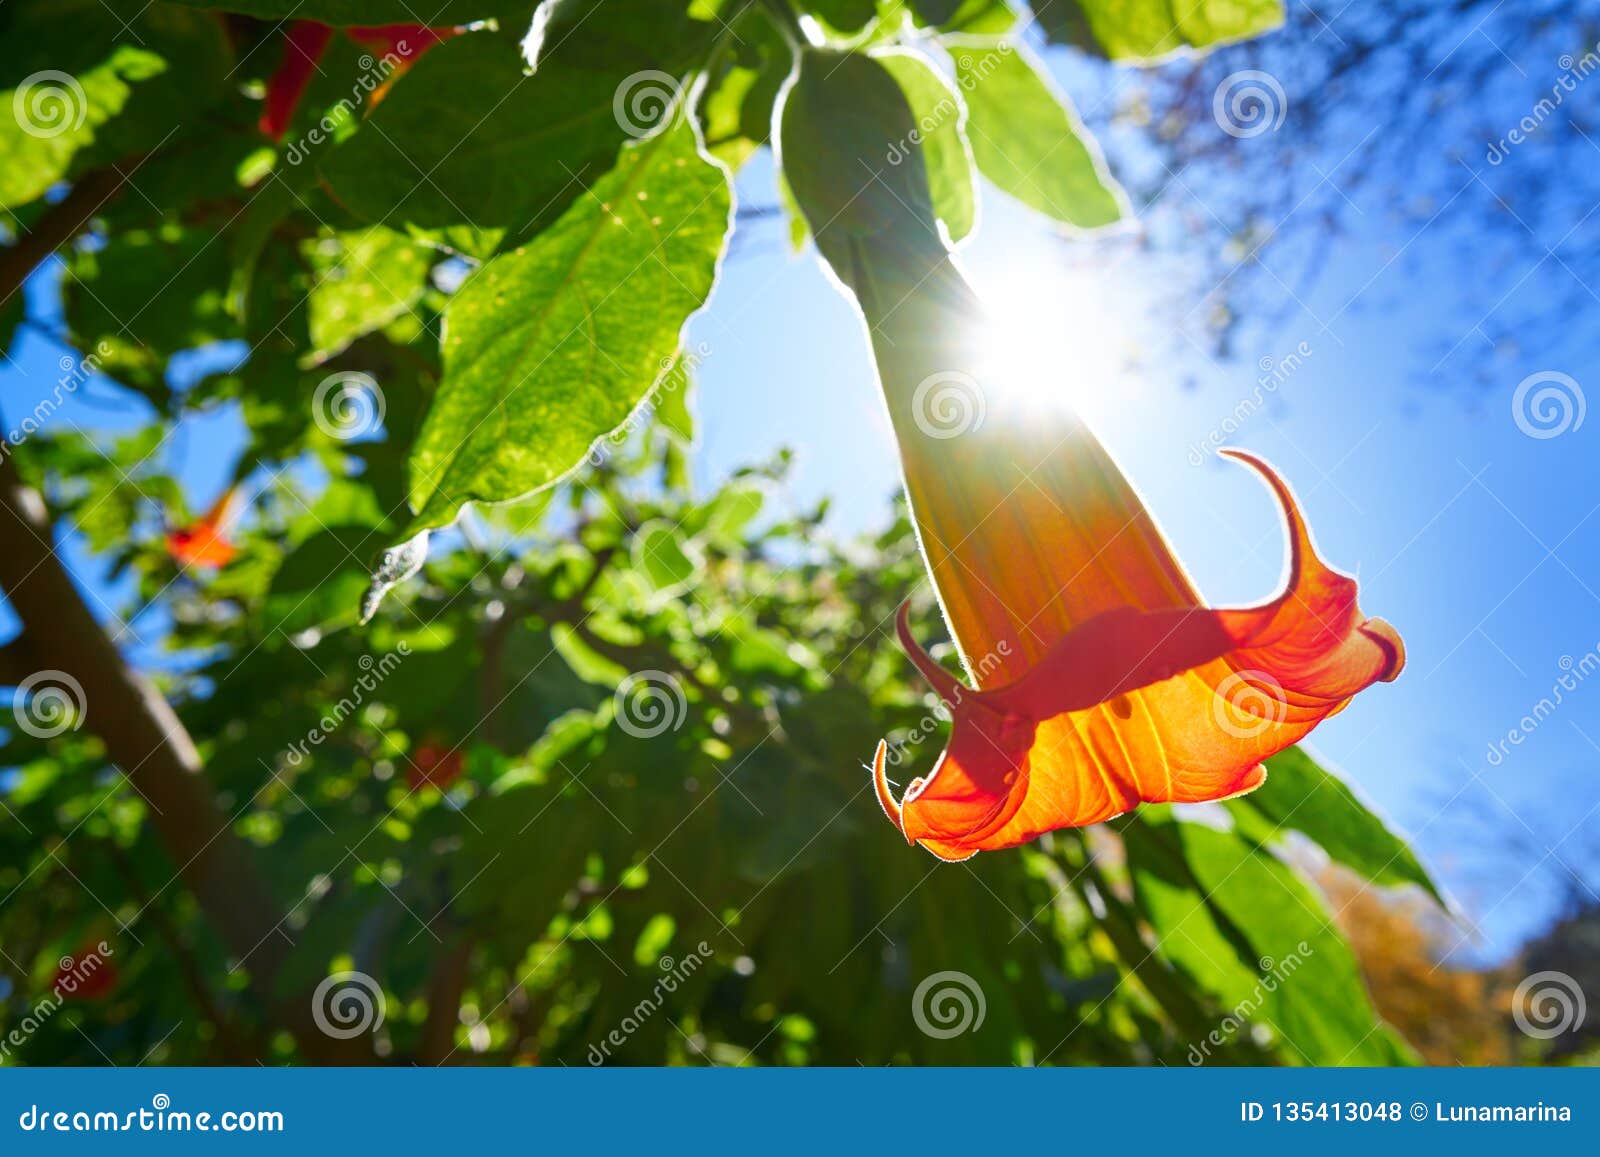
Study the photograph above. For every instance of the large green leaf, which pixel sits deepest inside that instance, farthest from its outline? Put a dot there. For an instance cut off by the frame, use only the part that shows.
(504, 146)
(550, 347)
(506, 149)
(348, 13)
(939, 113)
(1028, 140)
(1150, 29)
(1302, 796)
(1244, 927)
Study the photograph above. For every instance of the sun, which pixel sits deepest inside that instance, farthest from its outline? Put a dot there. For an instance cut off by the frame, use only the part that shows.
(1058, 336)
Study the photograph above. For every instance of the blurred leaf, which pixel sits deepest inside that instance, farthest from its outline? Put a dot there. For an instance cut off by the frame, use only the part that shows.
(1256, 936)
(1151, 29)
(1028, 140)
(1300, 795)
(364, 280)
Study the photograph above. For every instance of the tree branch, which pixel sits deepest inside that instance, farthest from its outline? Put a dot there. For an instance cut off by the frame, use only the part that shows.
(144, 737)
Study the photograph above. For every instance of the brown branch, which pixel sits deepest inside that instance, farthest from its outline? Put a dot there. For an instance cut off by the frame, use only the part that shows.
(144, 737)
(445, 986)
(59, 224)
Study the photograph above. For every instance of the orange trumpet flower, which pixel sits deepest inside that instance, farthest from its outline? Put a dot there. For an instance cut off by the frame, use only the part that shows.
(1104, 680)
(204, 541)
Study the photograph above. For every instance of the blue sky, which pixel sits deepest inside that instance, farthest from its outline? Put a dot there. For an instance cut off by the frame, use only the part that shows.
(1477, 540)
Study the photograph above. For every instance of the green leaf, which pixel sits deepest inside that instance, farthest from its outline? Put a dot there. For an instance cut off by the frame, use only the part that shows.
(320, 583)
(364, 280)
(81, 85)
(939, 115)
(667, 560)
(1247, 929)
(348, 13)
(504, 146)
(1027, 139)
(1151, 29)
(1301, 795)
(550, 347)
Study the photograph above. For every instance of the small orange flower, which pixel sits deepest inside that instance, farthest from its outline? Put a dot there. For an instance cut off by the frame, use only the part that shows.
(204, 542)
(436, 764)
(1104, 682)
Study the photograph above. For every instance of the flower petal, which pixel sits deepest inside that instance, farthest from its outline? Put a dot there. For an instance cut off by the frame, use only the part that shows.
(1177, 705)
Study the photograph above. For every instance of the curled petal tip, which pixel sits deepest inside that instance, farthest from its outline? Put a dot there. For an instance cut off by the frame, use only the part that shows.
(880, 784)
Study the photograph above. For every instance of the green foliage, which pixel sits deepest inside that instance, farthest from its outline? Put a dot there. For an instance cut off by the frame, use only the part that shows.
(661, 700)
(1138, 30)
(521, 401)
(1028, 141)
